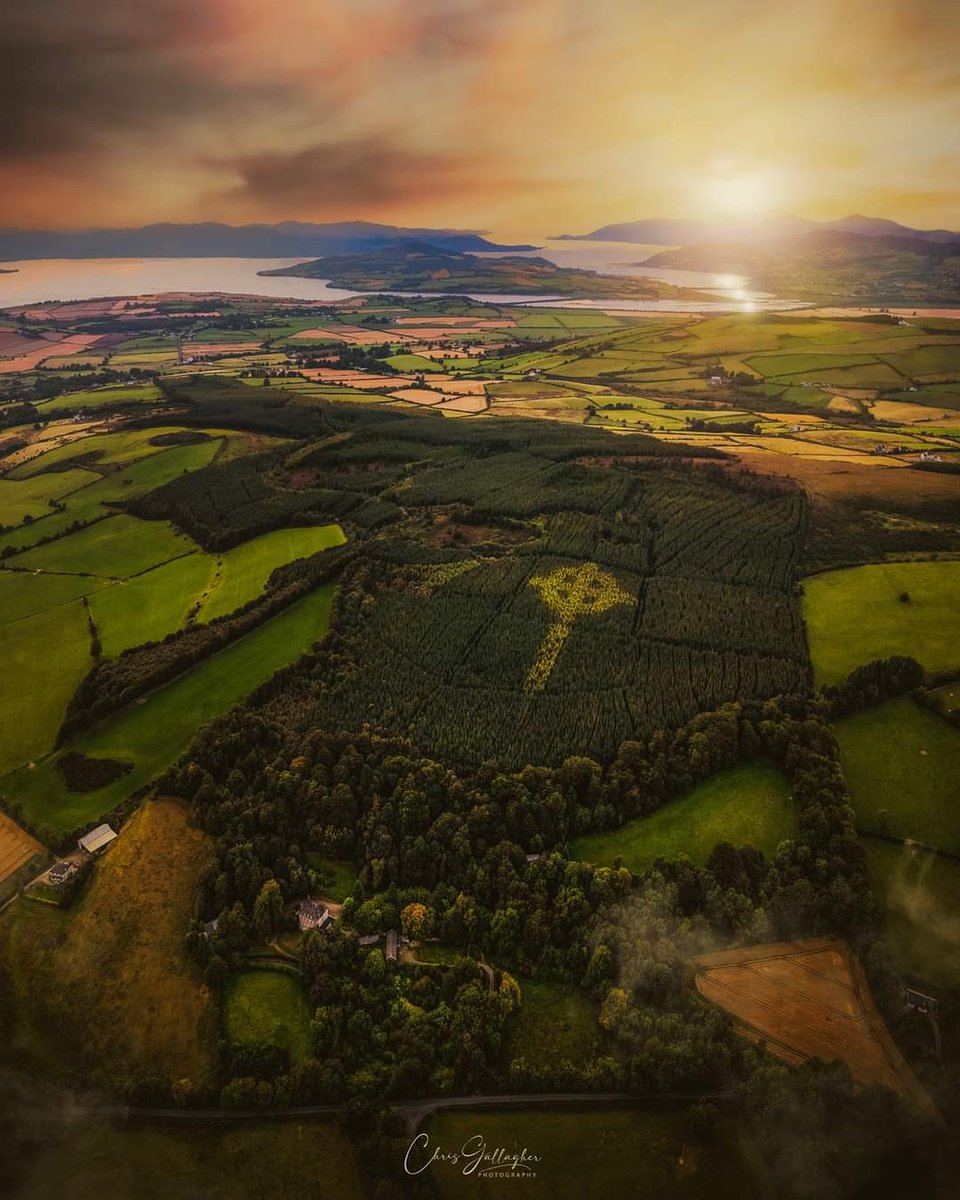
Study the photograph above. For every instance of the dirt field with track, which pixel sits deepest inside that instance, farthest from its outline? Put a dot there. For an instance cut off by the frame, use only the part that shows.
(806, 1000)
(16, 847)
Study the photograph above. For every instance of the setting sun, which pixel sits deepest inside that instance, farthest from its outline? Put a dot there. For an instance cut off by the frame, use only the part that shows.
(742, 194)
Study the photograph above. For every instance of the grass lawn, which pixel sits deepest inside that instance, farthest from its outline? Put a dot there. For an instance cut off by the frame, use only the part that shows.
(555, 1021)
(437, 952)
(855, 616)
(36, 684)
(256, 1162)
(115, 548)
(644, 1154)
(269, 1007)
(153, 733)
(921, 894)
(747, 805)
(337, 876)
(902, 764)
(244, 570)
(105, 990)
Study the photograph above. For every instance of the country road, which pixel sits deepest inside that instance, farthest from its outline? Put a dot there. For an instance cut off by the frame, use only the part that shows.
(413, 1111)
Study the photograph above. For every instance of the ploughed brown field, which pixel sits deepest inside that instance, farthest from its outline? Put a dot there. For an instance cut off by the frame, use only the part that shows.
(805, 1000)
(48, 346)
(16, 847)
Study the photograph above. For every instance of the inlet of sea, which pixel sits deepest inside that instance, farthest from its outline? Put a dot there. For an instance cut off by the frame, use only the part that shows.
(35, 281)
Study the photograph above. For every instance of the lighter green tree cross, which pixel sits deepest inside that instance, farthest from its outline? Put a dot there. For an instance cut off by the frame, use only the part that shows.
(570, 592)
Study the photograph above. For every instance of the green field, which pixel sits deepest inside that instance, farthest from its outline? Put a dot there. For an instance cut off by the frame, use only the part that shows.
(114, 548)
(902, 764)
(37, 684)
(119, 484)
(556, 1021)
(154, 732)
(921, 894)
(103, 448)
(149, 606)
(255, 1162)
(855, 615)
(817, 366)
(105, 397)
(644, 1155)
(23, 594)
(747, 805)
(413, 362)
(21, 499)
(269, 1008)
(242, 572)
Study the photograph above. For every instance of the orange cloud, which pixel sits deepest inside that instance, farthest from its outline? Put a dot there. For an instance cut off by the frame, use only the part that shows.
(528, 117)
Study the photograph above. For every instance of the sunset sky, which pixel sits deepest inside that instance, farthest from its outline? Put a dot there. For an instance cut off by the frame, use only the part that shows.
(524, 117)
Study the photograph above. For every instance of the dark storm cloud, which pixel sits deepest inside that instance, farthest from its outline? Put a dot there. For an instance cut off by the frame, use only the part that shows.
(366, 170)
(73, 73)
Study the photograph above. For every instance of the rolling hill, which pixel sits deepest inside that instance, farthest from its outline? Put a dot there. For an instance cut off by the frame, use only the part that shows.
(419, 266)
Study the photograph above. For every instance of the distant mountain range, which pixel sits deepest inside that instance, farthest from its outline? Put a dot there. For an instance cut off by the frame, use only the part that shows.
(289, 239)
(680, 232)
(831, 264)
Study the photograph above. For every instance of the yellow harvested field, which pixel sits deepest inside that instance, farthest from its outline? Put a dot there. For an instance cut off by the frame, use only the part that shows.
(352, 334)
(843, 404)
(445, 352)
(60, 433)
(790, 419)
(362, 380)
(108, 984)
(905, 413)
(415, 395)
(462, 387)
(949, 313)
(194, 348)
(465, 404)
(782, 445)
(806, 1000)
(425, 333)
(16, 847)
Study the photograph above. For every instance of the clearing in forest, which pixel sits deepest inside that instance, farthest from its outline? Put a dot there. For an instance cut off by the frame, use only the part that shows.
(747, 805)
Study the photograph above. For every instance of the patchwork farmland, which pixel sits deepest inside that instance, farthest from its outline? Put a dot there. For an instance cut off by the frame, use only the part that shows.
(522, 639)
